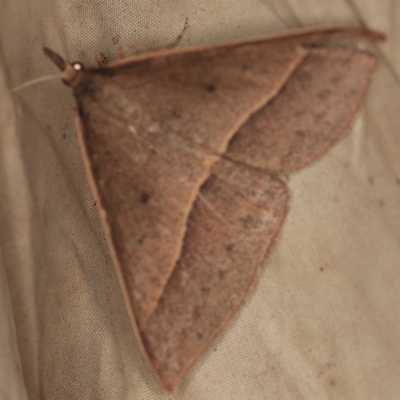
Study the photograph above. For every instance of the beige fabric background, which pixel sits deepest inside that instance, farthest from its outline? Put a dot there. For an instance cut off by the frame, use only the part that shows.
(323, 320)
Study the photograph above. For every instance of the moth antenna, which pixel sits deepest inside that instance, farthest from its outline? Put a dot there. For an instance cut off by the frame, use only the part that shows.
(34, 81)
(124, 49)
(179, 37)
(71, 73)
(57, 60)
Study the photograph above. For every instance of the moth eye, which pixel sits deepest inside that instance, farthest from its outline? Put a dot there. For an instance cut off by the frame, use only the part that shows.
(77, 66)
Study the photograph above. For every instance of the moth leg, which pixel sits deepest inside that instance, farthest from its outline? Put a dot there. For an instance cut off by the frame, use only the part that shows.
(101, 60)
(179, 37)
(122, 50)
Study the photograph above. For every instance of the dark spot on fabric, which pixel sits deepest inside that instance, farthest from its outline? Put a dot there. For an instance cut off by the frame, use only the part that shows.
(144, 197)
(245, 67)
(221, 274)
(300, 133)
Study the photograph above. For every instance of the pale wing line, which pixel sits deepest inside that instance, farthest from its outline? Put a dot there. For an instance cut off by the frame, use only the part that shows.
(200, 154)
(225, 220)
(211, 208)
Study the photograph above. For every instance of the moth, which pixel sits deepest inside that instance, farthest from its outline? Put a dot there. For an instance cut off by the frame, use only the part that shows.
(185, 150)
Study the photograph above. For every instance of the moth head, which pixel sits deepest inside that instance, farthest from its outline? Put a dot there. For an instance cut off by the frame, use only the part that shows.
(71, 72)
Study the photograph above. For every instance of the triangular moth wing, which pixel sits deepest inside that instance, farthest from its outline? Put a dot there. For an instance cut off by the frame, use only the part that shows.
(230, 229)
(312, 111)
(240, 209)
(151, 131)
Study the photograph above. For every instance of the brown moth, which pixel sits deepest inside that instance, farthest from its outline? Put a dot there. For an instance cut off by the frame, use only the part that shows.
(184, 149)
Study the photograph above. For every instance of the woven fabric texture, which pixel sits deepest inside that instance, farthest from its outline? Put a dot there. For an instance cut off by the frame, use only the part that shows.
(323, 319)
